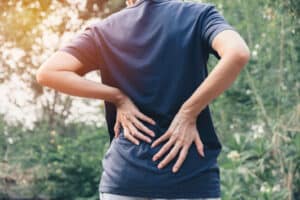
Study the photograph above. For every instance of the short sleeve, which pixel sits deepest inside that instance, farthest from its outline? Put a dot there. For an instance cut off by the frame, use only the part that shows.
(212, 23)
(83, 46)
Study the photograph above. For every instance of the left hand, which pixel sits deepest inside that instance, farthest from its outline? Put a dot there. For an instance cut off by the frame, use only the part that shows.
(181, 133)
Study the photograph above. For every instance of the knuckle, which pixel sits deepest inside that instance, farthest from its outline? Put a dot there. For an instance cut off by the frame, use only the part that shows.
(170, 132)
(164, 149)
(160, 153)
(149, 131)
(172, 154)
(141, 115)
(142, 137)
(138, 125)
(140, 134)
(180, 141)
(178, 163)
(172, 139)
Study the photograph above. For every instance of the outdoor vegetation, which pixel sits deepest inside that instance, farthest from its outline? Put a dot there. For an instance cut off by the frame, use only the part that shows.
(52, 144)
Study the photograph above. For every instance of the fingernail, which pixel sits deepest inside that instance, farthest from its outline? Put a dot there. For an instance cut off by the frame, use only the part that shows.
(137, 143)
(175, 169)
(149, 140)
(159, 166)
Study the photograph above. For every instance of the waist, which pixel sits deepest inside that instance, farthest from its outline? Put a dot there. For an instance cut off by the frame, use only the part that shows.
(126, 158)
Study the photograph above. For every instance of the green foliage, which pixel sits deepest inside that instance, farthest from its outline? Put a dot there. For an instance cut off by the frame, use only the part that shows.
(63, 166)
(257, 118)
(73, 165)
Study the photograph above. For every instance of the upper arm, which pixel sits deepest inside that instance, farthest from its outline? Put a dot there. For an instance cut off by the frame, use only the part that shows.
(232, 43)
(217, 35)
(80, 55)
(64, 61)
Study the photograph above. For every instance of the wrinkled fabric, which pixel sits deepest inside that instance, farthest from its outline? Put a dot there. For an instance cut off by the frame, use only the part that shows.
(156, 52)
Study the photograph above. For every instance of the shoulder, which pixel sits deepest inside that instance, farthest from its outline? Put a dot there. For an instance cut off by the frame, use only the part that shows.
(194, 6)
(191, 8)
(116, 16)
(102, 22)
(202, 8)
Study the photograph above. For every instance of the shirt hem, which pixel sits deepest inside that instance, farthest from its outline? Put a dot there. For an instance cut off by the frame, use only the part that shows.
(159, 194)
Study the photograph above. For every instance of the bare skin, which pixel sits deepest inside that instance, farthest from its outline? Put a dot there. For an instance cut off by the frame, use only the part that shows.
(130, 2)
(127, 116)
(182, 132)
(64, 73)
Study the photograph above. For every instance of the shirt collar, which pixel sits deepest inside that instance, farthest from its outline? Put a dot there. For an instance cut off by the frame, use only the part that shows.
(138, 2)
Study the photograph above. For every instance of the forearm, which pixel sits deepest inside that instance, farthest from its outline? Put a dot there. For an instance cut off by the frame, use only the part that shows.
(220, 78)
(73, 84)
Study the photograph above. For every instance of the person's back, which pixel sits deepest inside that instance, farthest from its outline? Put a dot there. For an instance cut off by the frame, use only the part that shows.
(153, 52)
(156, 52)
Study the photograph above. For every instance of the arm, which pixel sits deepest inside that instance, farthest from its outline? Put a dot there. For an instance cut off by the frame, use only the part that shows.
(234, 55)
(182, 132)
(63, 72)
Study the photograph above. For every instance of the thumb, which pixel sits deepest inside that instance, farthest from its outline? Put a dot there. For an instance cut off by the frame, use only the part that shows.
(199, 145)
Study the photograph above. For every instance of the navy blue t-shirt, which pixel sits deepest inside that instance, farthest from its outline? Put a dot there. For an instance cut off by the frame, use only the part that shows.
(156, 52)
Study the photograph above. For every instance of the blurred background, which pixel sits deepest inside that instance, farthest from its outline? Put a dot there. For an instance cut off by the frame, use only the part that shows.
(52, 144)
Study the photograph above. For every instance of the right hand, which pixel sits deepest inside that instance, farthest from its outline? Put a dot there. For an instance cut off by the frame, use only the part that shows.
(127, 117)
(180, 135)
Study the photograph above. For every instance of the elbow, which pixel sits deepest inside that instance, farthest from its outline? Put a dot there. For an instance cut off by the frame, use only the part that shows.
(243, 55)
(239, 54)
(41, 77)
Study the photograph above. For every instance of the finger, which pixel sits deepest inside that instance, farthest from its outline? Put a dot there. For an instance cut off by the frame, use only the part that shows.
(170, 155)
(145, 118)
(163, 150)
(134, 132)
(142, 127)
(130, 137)
(117, 128)
(199, 145)
(162, 138)
(181, 158)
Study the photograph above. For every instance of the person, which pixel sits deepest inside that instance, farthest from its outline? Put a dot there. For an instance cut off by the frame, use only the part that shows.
(152, 56)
